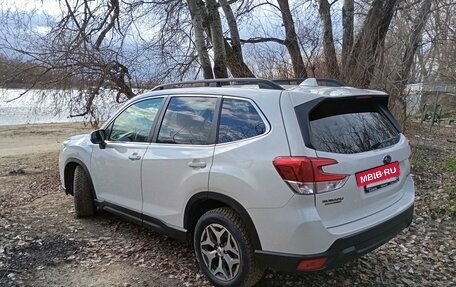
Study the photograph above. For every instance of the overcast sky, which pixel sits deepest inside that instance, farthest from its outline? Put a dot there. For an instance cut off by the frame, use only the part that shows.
(50, 7)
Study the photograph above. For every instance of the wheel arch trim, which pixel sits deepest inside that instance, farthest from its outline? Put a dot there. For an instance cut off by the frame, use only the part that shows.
(201, 197)
(82, 164)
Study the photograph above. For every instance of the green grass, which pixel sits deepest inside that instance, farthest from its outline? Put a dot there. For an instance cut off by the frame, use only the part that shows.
(418, 159)
(451, 165)
(448, 204)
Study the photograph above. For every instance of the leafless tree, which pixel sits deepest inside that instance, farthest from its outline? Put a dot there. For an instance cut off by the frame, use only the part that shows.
(367, 47)
(216, 34)
(348, 16)
(400, 79)
(124, 46)
(332, 66)
(291, 40)
(235, 59)
(196, 11)
(91, 47)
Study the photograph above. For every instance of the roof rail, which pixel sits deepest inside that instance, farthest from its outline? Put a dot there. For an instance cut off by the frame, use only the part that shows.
(262, 83)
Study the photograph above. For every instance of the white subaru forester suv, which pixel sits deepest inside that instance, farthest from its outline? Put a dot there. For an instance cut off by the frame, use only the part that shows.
(297, 179)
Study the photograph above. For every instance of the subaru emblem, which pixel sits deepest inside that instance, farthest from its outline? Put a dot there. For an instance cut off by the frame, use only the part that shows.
(387, 159)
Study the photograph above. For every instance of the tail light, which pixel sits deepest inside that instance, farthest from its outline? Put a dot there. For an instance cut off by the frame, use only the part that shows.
(306, 176)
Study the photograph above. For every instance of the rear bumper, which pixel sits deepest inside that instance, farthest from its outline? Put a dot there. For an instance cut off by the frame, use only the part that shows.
(343, 249)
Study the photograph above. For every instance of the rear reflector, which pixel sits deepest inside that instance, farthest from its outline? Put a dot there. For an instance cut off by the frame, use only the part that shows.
(306, 176)
(311, 264)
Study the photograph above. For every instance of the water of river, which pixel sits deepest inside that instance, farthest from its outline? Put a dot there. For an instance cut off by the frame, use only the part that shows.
(48, 106)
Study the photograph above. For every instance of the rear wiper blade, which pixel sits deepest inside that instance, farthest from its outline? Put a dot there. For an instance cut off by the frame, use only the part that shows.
(380, 143)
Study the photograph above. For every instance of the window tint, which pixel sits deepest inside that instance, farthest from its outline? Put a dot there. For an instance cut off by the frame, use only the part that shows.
(350, 127)
(188, 120)
(239, 120)
(134, 124)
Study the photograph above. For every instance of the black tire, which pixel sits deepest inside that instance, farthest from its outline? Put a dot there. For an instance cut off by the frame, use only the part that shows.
(83, 199)
(227, 223)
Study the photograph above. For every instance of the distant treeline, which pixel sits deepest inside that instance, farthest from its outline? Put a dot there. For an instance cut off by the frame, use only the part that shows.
(26, 74)
(19, 74)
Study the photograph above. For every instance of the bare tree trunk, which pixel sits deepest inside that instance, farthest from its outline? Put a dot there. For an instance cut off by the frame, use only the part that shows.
(332, 67)
(397, 101)
(235, 60)
(218, 42)
(232, 25)
(444, 28)
(365, 52)
(200, 42)
(348, 16)
(237, 66)
(291, 40)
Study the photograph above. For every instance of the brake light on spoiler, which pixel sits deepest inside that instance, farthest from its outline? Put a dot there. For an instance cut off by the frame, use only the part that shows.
(306, 176)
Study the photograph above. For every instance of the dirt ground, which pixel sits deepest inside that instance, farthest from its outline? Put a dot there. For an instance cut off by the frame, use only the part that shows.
(42, 244)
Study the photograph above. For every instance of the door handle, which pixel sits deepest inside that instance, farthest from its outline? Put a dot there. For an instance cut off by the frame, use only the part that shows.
(134, 156)
(197, 164)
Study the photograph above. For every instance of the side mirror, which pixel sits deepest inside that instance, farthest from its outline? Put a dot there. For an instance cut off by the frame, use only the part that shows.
(98, 137)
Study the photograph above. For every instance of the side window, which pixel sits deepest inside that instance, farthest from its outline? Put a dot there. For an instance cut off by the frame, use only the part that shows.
(188, 120)
(239, 120)
(134, 123)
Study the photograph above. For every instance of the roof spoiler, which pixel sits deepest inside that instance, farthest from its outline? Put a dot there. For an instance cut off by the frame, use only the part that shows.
(318, 82)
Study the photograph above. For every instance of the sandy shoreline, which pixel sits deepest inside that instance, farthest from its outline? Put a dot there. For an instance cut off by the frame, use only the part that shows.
(37, 138)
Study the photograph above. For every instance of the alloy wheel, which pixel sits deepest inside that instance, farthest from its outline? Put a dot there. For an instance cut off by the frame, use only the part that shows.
(220, 252)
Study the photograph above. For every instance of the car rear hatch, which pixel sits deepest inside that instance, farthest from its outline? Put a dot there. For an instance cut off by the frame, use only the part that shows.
(355, 137)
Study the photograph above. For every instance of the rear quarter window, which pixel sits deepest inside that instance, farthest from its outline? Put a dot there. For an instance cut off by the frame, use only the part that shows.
(350, 126)
(239, 120)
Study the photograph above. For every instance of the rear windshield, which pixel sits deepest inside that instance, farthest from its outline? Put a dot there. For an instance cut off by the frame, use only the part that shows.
(350, 126)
